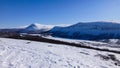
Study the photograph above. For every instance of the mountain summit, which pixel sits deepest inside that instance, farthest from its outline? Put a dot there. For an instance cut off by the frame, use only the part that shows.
(36, 28)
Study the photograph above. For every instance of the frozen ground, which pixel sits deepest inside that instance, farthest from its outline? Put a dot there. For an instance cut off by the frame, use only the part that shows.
(111, 44)
(30, 54)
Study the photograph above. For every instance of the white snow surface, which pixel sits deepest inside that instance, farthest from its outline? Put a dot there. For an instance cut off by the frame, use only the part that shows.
(29, 54)
(110, 44)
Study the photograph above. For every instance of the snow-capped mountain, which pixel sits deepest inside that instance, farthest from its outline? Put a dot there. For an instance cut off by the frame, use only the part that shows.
(85, 30)
(32, 28)
(36, 28)
(89, 30)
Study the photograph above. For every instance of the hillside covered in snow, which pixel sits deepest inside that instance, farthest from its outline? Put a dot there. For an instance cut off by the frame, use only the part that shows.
(29, 54)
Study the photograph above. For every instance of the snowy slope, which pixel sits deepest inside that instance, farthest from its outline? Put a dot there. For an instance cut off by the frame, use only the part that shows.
(111, 44)
(89, 30)
(30, 54)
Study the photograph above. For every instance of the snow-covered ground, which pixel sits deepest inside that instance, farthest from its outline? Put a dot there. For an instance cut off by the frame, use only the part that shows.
(111, 44)
(29, 54)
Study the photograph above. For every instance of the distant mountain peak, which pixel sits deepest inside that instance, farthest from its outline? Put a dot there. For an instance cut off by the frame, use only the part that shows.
(37, 24)
(32, 27)
(36, 28)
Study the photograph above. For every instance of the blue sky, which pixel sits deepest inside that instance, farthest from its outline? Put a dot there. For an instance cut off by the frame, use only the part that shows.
(23, 12)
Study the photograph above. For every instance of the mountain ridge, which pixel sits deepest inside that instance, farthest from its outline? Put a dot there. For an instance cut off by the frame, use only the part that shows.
(81, 30)
(88, 30)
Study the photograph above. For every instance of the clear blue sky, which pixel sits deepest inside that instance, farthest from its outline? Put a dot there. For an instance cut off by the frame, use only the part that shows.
(22, 12)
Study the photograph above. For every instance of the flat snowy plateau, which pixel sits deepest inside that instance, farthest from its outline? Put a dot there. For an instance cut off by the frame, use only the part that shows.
(30, 54)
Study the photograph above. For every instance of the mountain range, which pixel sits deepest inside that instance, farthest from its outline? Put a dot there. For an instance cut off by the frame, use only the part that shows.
(81, 30)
